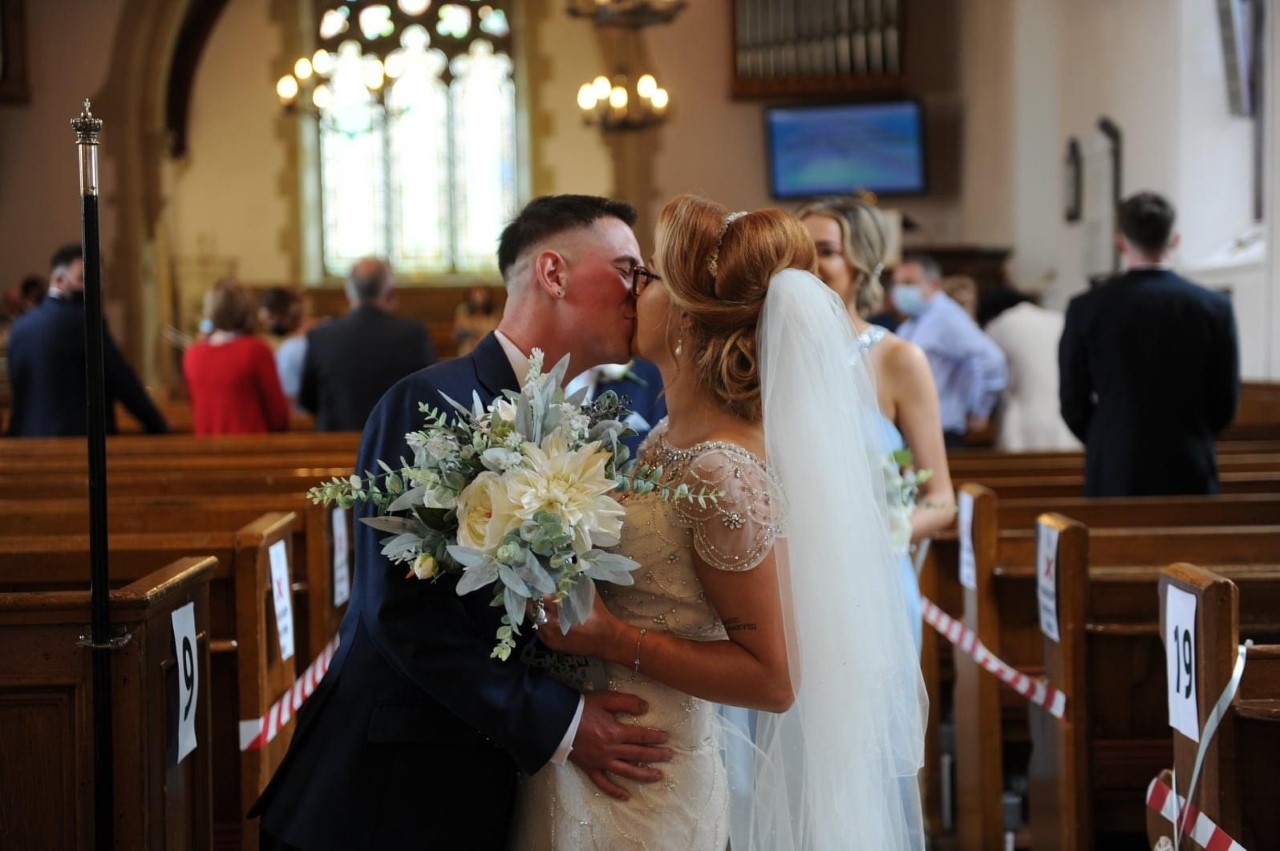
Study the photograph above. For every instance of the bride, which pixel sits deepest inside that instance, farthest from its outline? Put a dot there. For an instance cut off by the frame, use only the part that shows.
(781, 595)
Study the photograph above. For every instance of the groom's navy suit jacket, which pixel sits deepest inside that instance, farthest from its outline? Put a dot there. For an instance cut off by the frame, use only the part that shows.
(414, 738)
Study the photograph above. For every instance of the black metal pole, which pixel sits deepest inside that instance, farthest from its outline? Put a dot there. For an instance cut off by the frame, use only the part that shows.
(87, 128)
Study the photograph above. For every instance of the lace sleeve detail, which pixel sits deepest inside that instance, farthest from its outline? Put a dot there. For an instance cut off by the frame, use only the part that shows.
(737, 530)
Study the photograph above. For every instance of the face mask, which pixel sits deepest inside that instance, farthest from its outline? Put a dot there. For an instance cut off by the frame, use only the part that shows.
(908, 298)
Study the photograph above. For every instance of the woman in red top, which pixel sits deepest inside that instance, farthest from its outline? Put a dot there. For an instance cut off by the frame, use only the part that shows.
(231, 376)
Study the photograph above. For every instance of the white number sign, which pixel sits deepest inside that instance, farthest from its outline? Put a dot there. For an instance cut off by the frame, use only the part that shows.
(184, 646)
(282, 594)
(1180, 653)
(968, 571)
(341, 558)
(1047, 579)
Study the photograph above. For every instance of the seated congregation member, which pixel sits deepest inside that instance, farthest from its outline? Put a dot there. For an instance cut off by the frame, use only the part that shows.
(231, 375)
(292, 352)
(852, 243)
(47, 363)
(279, 315)
(638, 384)
(351, 362)
(968, 368)
(1149, 367)
(1028, 335)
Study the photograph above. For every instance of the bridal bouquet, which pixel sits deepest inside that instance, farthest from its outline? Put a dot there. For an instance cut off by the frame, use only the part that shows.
(902, 487)
(516, 496)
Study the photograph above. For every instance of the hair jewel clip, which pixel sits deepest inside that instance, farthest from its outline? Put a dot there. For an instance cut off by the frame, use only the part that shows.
(724, 228)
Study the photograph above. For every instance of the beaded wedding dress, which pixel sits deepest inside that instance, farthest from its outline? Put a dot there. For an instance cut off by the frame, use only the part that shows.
(559, 808)
(838, 769)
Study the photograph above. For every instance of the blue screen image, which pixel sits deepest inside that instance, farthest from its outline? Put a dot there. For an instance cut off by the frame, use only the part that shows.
(839, 149)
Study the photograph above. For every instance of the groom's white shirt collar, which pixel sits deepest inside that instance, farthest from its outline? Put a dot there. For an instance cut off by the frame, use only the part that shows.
(519, 360)
(520, 366)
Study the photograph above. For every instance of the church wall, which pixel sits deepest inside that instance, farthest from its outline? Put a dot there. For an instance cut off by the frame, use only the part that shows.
(226, 208)
(1005, 82)
(68, 51)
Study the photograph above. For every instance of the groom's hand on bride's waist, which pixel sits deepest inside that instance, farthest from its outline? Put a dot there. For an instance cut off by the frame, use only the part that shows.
(604, 745)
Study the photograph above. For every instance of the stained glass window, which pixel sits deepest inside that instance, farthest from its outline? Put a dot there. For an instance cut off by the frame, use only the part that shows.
(421, 169)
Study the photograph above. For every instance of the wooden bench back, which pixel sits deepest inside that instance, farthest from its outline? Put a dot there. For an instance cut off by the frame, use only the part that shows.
(46, 742)
(1002, 610)
(174, 482)
(317, 611)
(186, 445)
(247, 673)
(1237, 777)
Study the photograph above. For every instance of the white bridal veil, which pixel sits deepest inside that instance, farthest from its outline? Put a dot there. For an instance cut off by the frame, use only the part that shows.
(838, 770)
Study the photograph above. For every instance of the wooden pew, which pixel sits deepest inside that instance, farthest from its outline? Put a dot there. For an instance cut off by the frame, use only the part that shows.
(1002, 611)
(1054, 487)
(1109, 625)
(964, 468)
(184, 445)
(46, 685)
(939, 578)
(1236, 786)
(117, 464)
(175, 482)
(318, 612)
(247, 674)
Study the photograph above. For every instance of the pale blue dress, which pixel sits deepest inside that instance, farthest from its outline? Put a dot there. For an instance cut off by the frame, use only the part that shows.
(891, 441)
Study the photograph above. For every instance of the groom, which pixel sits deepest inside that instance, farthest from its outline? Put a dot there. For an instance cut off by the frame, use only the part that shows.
(415, 736)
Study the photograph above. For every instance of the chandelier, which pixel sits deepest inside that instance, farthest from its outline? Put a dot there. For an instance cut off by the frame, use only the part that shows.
(623, 104)
(375, 40)
(627, 14)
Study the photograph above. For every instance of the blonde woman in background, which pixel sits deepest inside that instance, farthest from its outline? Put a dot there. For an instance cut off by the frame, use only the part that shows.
(852, 242)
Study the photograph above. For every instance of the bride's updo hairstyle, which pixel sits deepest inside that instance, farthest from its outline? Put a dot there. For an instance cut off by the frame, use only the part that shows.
(717, 267)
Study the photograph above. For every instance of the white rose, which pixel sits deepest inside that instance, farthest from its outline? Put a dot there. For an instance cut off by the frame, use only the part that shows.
(485, 514)
(425, 566)
(504, 410)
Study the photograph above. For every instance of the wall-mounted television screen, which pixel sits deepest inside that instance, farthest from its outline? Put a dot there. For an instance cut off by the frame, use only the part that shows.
(836, 150)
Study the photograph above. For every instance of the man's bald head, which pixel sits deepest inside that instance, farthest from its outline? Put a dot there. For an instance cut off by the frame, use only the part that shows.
(370, 281)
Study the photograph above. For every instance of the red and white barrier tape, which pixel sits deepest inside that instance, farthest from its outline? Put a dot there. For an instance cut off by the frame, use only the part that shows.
(1207, 835)
(1038, 692)
(259, 731)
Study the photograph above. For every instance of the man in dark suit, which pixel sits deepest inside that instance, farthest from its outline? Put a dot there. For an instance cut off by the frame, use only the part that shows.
(415, 736)
(352, 361)
(1149, 368)
(47, 364)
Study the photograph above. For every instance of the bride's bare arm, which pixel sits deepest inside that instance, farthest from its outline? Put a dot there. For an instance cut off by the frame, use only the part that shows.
(749, 669)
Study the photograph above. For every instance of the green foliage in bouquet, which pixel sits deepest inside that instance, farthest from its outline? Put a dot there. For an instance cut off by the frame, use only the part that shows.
(516, 495)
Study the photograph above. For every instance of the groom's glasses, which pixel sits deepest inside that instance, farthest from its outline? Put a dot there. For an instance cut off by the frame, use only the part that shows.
(641, 278)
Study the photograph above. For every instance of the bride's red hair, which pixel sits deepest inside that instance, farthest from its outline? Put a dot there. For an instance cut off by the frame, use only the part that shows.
(723, 299)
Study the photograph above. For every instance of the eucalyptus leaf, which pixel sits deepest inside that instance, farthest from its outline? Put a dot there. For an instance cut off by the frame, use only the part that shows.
(511, 579)
(515, 603)
(533, 573)
(395, 525)
(477, 577)
(398, 545)
(467, 556)
(576, 607)
(408, 499)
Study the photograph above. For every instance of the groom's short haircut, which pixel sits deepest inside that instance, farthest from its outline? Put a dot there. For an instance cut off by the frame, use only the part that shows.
(555, 214)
